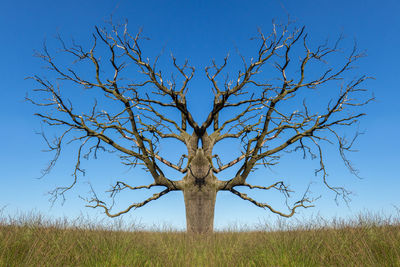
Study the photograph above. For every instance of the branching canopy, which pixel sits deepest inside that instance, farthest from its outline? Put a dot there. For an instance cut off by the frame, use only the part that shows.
(137, 120)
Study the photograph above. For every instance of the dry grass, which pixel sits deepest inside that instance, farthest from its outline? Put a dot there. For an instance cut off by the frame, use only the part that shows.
(365, 241)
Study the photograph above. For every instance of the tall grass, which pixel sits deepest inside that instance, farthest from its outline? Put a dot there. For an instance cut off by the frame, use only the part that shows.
(367, 240)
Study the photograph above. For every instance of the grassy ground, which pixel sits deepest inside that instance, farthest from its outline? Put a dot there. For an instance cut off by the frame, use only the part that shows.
(365, 241)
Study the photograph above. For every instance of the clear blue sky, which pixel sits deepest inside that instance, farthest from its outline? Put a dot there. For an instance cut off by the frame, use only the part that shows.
(199, 31)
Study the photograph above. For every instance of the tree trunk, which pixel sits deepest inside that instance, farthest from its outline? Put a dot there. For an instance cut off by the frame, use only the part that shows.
(200, 186)
(200, 206)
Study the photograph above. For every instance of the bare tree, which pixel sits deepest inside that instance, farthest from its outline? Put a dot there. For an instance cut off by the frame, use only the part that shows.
(138, 117)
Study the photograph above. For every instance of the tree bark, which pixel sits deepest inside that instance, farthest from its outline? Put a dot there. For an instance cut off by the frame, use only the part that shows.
(200, 206)
(200, 186)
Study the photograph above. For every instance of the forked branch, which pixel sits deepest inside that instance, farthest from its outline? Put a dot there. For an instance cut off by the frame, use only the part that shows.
(302, 203)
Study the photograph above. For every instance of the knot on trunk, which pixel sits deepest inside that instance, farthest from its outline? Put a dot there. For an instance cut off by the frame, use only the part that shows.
(199, 167)
(200, 181)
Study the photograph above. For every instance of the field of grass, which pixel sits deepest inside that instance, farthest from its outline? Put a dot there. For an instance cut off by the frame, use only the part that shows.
(365, 241)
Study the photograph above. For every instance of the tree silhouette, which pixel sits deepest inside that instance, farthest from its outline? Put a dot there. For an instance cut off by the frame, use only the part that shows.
(132, 116)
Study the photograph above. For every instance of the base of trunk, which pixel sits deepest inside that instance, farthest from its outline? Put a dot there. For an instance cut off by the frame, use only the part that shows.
(200, 206)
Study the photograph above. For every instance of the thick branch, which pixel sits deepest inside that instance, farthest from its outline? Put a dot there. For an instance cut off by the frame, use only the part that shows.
(292, 210)
(100, 204)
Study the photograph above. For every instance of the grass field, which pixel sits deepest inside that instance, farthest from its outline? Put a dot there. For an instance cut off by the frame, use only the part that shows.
(365, 241)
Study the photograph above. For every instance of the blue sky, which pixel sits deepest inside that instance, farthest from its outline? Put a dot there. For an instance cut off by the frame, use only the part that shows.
(199, 31)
